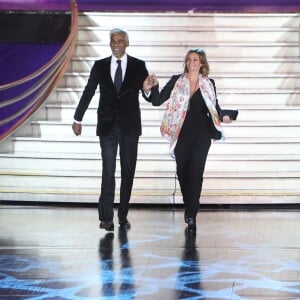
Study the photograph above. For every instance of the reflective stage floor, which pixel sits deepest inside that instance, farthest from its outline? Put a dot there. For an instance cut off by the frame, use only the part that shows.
(60, 253)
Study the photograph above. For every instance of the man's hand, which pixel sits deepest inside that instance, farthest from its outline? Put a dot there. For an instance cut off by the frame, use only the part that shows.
(76, 128)
(149, 82)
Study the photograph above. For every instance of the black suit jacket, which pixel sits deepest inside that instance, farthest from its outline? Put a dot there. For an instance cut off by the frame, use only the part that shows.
(123, 105)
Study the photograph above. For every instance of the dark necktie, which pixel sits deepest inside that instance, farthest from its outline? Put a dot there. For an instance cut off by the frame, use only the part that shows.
(118, 76)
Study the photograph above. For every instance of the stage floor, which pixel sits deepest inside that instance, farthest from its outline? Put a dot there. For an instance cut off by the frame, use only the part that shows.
(60, 253)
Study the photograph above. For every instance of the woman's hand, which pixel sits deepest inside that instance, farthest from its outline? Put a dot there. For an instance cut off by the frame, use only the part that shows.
(226, 119)
(149, 82)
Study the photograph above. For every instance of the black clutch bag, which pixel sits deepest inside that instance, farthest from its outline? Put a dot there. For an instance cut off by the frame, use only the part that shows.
(232, 113)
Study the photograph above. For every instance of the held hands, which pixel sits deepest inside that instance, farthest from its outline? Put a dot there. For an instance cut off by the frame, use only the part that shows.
(150, 82)
(76, 128)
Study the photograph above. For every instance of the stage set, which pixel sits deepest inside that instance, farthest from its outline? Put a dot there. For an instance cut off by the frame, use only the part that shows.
(247, 242)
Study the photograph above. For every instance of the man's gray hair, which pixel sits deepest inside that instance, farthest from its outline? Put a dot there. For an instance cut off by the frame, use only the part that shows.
(118, 30)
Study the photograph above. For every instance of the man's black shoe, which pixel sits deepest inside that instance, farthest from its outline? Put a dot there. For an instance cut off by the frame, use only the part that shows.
(108, 226)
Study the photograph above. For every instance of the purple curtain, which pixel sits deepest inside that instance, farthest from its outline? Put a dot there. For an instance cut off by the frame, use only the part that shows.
(16, 62)
(158, 5)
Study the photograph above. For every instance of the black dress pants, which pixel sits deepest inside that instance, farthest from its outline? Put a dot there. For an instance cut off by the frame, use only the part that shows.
(128, 146)
(190, 153)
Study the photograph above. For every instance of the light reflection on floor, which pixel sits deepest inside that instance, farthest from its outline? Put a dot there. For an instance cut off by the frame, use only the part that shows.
(51, 253)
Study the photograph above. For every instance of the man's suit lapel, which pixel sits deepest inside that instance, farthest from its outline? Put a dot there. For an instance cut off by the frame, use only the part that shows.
(106, 72)
(128, 72)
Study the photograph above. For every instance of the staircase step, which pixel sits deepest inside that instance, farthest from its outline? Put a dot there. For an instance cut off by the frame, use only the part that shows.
(247, 113)
(153, 197)
(82, 180)
(241, 129)
(147, 163)
(230, 81)
(63, 144)
(275, 49)
(173, 65)
(188, 20)
(198, 34)
(236, 96)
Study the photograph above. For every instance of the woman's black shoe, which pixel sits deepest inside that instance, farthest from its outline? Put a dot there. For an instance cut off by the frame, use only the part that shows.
(185, 218)
(191, 224)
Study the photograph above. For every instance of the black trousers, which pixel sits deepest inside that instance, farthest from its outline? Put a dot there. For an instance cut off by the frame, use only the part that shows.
(128, 146)
(191, 152)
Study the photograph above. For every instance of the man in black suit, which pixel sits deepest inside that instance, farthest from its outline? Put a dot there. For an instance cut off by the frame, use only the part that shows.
(120, 78)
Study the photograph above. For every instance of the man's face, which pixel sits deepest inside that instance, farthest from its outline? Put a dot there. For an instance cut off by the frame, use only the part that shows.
(118, 44)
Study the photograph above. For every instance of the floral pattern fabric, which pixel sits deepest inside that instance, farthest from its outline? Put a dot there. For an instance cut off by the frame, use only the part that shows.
(177, 106)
